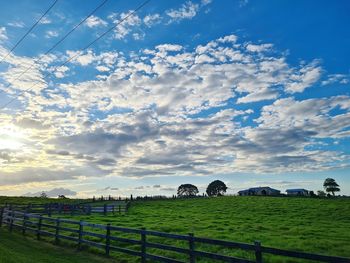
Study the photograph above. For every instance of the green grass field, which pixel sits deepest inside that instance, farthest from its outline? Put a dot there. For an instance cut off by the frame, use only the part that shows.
(19, 200)
(14, 248)
(302, 224)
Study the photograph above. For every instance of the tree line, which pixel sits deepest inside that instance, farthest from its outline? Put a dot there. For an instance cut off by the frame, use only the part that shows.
(215, 188)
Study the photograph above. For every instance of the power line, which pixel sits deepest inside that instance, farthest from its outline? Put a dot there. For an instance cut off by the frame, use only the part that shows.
(57, 43)
(79, 52)
(28, 31)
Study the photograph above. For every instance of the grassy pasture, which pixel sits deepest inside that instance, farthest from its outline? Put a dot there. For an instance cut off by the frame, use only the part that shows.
(303, 224)
(14, 248)
(19, 200)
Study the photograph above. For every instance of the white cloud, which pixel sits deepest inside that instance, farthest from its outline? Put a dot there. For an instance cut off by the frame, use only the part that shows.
(60, 71)
(187, 11)
(94, 21)
(103, 68)
(336, 78)
(146, 127)
(259, 48)
(123, 29)
(51, 33)
(81, 58)
(169, 47)
(19, 24)
(205, 2)
(3, 35)
(45, 20)
(228, 39)
(151, 20)
(304, 78)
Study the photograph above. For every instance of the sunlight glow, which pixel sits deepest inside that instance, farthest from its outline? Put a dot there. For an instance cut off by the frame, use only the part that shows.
(11, 137)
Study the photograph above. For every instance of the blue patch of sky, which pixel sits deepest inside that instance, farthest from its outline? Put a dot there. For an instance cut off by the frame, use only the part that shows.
(96, 114)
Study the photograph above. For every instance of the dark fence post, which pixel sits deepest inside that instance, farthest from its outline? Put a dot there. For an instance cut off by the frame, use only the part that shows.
(46, 209)
(1, 215)
(11, 220)
(80, 234)
(120, 210)
(191, 247)
(143, 245)
(50, 210)
(105, 209)
(108, 240)
(258, 254)
(57, 230)
(39, 227)
(24, 226)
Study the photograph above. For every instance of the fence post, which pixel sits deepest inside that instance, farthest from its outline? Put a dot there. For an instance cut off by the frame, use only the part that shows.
(57, 230)
(143, 245)
(80, 233)
(50, 210)
(258, 254)
(1, 215)
(105, 209)
(11, 220)
(120, 210)
(39, 227)
(24, 224)
(191, 247)
(108, 240)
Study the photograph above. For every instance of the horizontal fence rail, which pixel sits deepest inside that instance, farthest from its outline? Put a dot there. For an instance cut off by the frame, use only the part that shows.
(104, 237)
(72, 209)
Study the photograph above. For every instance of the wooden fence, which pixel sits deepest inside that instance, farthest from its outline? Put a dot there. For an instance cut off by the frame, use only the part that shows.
(84, 234)
(72, 209)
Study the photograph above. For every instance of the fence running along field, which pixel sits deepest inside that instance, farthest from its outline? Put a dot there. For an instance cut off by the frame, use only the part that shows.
(72, 209)
(107, 238)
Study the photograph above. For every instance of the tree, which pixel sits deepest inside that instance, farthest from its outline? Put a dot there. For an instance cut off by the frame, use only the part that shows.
(321, 193)
(62, 197)
(187, 190)
(216, 188)
(43, 195)
(331, 186)
(312, 194)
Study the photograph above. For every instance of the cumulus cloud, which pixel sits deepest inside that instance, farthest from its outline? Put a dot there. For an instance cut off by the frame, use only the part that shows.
(336, 78)
(304, 78)
(3, 35)
(51, 33)
(94, 21)
(170, 110)
(187, 11)
(152, 19)
(259, 48)
(123, 29)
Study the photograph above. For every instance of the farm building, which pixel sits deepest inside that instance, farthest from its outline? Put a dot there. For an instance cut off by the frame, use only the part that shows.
(260, 191)
(300, 192)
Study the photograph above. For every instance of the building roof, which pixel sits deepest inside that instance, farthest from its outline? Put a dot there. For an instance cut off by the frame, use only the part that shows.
(297, 190)
(254, 189)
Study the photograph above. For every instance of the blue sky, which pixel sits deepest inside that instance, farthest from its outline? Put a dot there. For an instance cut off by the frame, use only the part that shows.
(249, 92)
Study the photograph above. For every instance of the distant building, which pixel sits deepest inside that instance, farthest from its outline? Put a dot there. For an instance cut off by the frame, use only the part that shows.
(298, 192)
(260, 191)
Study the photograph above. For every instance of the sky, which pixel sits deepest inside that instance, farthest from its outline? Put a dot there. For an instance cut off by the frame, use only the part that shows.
(253, 93)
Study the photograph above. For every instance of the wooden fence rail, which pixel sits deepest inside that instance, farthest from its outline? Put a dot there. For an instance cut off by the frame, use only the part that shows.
(72, 209)
(81, 233)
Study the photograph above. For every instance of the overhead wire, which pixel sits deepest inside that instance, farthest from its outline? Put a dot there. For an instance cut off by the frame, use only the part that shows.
(78, 53)
(28, 31)
(57, 43)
